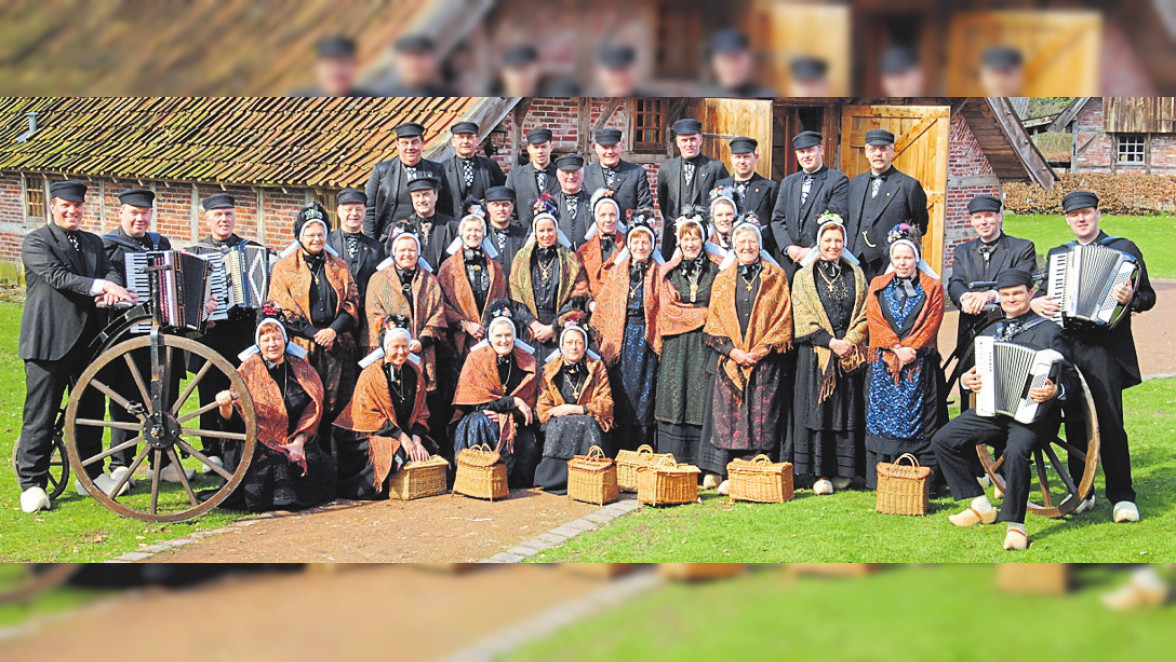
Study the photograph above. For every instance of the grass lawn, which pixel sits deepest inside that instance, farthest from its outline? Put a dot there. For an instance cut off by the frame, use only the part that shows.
(60, 599)
(78, 528)
(1150, 233)
(844, 527)
(928, 613)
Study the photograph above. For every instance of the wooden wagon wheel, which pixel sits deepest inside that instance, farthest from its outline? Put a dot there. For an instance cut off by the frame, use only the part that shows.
(58, 462)
(161, 433)
(1058, 498)
(36, 579)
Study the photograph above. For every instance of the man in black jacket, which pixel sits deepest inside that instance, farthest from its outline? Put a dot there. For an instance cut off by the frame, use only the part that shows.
(468, 175)
(879, 200)
(628, 181)
(1106, 357)
(536, 177)
(507, 234)
(387, 190)
(803, 197)
(980, 261)
(435, 230)
(574, 204)
(66, 272)
(361, 252)
(955, 443)
(756, 193)
(684, 180)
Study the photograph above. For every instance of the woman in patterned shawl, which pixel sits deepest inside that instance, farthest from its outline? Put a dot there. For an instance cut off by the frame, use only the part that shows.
(495, 398)
(606, 238)
(749, 326)
(683, 384)
(826, 441)
(320, 299)
(625, 317)
(575, 407)
(386, 424)
(470, 280)
(546, 281)
(289, 470)
(905, 406)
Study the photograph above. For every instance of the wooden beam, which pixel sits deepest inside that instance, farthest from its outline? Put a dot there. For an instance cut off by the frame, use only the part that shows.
(607, 113)
(1031, 158)
(583, 124)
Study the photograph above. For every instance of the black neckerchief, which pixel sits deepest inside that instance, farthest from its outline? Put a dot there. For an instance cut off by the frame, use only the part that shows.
(691, 267)
(607, 242)
(229, 242)
(314, 261)
(831, 269)
(546, 254)
(750, 271)
(474, 255)
(637, 270)
(406, 276)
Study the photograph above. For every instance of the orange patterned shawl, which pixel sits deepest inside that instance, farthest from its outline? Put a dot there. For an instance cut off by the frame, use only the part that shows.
(460, 305)
(925, 332)
(770, 325)
(270, 408)
(594, 266)
(384, 298)
(597, 395)
(479, 384)
(611, 304)
(371, 409)
(676, 316)
(573, 280)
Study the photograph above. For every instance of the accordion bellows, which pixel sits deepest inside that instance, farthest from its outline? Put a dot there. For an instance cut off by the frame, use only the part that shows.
(1007, 371)
(175, 283)
(1082, 279)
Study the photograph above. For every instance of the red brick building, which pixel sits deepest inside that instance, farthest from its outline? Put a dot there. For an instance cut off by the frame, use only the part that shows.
(1121, 134)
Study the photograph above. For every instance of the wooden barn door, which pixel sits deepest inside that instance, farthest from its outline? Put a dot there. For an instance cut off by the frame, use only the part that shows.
(724, 119)
(920, 150)
(782, 31)
(1061, 48)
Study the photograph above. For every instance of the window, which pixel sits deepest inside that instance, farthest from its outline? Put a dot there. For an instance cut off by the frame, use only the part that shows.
(1130, 149)
(35, 197)
(649, 125)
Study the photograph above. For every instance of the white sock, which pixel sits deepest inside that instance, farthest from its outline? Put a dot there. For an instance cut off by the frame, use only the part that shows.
(1016, 526)
(981, 504)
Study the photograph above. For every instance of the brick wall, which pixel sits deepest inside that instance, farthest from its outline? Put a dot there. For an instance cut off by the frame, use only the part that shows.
(1093, 151)
(969, 174)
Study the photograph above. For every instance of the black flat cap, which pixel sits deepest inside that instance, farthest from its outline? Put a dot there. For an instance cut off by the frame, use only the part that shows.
(729, 40)
(569, 162)
(879, 137)
(616, 56)
(137, 197)
(519, 55)
(425, 183)
(1079, 200)
(687, 126)
(464, 127)
(538, 136)
(68, 190)
(984, 203)
(500, 194)
(898, 59)
(414, 43)
(806, 139)
(219, 201)
(807, 68)
(351, 196)
(1014, 278)
(743, 145)
(608, 136)
(335, 46)
(1003, 57)
(410, 130)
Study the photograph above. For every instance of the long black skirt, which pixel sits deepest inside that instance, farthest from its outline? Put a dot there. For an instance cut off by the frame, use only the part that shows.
(273, 482)
(357, 474)
(564, 438)
(476, 429)
(826, 439)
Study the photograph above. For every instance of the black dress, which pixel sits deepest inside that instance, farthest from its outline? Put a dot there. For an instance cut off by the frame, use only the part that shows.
(475, 429)
(566, 436)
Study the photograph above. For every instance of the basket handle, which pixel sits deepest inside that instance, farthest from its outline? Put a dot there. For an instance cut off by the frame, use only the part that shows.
(761, 459)
(667, 460)
(596, 452)
(914, 461)
(482, 448)
(645, 449)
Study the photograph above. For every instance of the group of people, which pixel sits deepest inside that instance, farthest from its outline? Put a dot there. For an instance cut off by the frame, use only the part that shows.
(545, 312)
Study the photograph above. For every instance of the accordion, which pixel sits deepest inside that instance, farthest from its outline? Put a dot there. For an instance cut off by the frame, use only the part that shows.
(174, 283)
(240, 277)
(1007, 372)
(1082, 280)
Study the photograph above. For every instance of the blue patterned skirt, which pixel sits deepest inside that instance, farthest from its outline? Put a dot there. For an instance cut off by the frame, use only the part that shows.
(634, 379)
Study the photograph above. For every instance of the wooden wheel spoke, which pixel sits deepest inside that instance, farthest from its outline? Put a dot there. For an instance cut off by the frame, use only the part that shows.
(175, 458)
(155, 481)
(996, 465)
(109, 392)
(190, 450)
(1062, 470)
(215, 434)
(127, 476)
(129, 443)
(138, 377)
(199, 412)
(117, 425)
(1070, 448)
(1043, 480)
(191, 387)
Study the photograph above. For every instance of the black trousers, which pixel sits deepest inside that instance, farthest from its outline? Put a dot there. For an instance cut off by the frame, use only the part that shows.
(871, 269)
(955, 448)
(45, 385)
(1106, 387)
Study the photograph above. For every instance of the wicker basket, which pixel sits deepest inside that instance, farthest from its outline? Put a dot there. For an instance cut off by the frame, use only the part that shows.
(903, 489)
(667, 483)
(628, 462)
(419, 479)
(760, 480)
(481, 473)
(592, 478)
